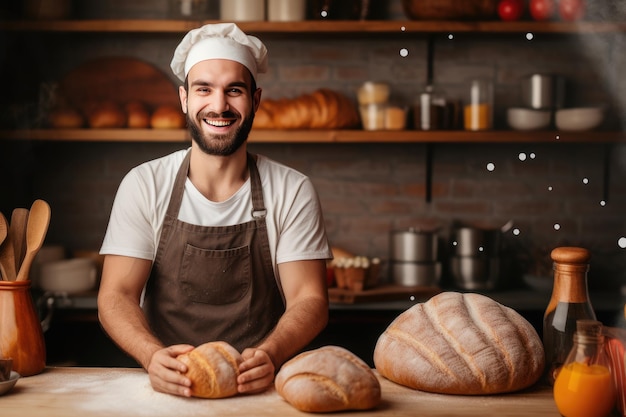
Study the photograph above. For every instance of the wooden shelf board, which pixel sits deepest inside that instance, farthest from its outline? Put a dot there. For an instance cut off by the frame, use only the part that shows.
(320, 136)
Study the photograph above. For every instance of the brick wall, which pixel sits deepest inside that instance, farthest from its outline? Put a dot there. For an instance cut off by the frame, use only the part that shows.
(367, 190)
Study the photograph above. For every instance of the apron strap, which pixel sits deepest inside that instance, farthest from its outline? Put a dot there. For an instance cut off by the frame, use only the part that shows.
(258, 206)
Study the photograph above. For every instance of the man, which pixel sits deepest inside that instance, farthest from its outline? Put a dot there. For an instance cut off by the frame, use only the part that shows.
(212, 243)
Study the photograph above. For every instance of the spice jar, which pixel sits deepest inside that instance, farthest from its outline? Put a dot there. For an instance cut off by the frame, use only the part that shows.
(584, 385)
(478, 114)
(569, 302)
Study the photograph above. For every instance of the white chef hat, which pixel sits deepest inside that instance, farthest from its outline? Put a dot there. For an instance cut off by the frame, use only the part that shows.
(219, 41)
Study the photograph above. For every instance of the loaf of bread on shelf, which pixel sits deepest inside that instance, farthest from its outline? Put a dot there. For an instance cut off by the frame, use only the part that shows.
(322, 109)
(213, 368)
(66, 118)
(327, 379)
(137, 115)
(465, 344)
(167, 117)
(106, 115)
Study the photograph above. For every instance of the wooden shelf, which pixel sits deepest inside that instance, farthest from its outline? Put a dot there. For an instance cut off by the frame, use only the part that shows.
(317, 26)
(320, 136)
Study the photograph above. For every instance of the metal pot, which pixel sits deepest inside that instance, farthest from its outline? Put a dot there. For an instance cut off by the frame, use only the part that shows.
(472, 241)
(475, 273)
(416, 273)
(412, 245)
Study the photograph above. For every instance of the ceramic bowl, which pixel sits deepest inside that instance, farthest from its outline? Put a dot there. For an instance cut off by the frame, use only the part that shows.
(69, 276)
(579, 118)
(5, 386)
(520, 118)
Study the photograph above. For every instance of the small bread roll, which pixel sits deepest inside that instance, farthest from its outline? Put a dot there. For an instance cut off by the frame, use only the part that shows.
(137, 115)
(167, 117)
(328, 379)
(66, 118)
(213, 369)
(107, 115)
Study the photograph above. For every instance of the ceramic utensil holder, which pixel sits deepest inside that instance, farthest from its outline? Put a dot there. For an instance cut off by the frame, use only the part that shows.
(21, 335)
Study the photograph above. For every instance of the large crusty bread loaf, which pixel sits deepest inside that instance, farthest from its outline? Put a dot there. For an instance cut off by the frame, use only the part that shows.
(327, 379)
(460, 344)
(213, 369)
(321, 109)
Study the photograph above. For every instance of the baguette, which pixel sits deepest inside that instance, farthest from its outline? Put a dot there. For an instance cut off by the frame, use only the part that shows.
(213, 369)
(328, 379)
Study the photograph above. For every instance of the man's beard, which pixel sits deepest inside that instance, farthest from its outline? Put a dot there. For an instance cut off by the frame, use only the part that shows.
(220, 145)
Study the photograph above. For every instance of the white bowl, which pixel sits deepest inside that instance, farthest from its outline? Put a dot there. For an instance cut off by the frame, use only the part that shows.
(68, 275)
(579, 118)
(520, 118)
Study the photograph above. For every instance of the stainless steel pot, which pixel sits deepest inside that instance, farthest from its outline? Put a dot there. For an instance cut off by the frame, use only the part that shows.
(411, 274)
(475, 273)
(412, 245)
(472, 241)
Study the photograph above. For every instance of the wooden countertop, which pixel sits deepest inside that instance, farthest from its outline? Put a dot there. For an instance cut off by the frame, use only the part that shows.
(69, 392)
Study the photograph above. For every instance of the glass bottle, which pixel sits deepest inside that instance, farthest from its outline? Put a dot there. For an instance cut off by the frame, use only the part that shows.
(584, 386)
(478, 112)
(569, 303)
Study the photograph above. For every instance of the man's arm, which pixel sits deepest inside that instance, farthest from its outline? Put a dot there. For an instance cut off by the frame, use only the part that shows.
(306, 315)
(121, 316)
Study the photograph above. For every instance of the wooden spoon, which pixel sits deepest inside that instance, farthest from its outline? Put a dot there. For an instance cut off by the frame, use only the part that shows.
(38, 222)
(7, 254)
(3, 235)
(17, 230)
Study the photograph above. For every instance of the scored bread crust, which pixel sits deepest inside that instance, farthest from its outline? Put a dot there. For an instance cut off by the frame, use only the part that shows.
(330, 378)
(464, 344)
(213, 369)
(321, 109)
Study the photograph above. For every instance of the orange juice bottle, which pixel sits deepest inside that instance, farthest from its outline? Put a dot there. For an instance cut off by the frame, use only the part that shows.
(584, 386)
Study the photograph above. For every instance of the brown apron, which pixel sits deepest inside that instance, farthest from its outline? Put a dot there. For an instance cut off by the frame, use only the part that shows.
(213, 283)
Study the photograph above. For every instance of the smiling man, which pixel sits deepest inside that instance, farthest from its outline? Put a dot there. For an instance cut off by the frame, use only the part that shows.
(213, 243)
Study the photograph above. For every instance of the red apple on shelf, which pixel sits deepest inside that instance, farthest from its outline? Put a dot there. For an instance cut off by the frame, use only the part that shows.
(510, 10)
(572, 10)
(542, 9)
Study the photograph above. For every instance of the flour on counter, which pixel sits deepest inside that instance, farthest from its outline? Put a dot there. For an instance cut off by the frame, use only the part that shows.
(117, 392)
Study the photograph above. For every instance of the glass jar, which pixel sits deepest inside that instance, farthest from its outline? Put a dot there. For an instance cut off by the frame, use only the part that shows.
(569, 302)
(478, 114)
(584, 386)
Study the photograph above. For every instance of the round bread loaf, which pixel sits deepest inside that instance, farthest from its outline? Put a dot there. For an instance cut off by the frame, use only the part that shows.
(167, 117)
(66, 118)
(107, 114)
(464, 344)
(213, 369)
(327, 379)
(137, 115)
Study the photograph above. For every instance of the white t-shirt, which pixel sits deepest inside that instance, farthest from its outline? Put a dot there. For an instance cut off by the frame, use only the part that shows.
(295, 224)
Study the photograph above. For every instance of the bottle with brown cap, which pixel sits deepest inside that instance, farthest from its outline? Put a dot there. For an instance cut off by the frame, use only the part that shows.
(569, 303)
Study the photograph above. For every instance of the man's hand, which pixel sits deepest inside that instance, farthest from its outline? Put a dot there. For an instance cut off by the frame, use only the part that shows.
(165, 371)
(256, 372)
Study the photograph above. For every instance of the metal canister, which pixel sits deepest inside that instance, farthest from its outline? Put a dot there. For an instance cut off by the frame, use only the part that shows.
(543, 91)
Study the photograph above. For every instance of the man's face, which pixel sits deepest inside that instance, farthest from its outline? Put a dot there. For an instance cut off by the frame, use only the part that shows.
(219, 105)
